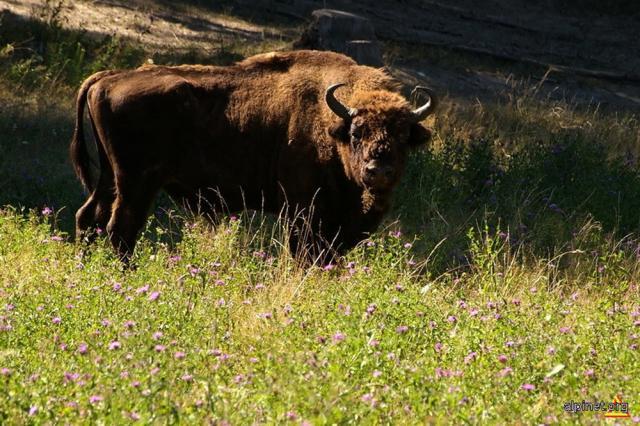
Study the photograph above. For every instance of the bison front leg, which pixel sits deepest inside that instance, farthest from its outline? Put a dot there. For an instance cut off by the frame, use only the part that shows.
(314, 242)
(130, 211)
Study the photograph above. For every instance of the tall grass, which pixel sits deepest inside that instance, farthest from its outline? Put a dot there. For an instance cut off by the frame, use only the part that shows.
(225, 326)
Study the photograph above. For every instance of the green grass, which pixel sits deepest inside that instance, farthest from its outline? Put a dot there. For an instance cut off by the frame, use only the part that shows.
(250, 337)
(518, 264)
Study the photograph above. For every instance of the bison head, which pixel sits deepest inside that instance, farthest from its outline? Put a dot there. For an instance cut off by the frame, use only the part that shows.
(374, 137)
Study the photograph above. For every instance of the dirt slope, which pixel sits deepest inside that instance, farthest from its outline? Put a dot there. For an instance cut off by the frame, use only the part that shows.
(148, 22)
(594, 58)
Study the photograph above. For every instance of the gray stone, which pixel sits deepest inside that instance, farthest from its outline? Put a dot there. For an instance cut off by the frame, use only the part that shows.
(342, 32)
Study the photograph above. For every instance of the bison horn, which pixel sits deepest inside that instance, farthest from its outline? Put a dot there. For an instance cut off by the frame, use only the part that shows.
(426, 109)
(334, 105)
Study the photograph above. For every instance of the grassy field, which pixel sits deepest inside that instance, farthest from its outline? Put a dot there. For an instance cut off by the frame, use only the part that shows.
(504, 284)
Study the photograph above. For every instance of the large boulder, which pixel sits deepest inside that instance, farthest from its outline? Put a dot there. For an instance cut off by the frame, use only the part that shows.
(342, 32)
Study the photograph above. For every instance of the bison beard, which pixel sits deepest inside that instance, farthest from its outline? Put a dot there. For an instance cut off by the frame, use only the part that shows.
(263, 134)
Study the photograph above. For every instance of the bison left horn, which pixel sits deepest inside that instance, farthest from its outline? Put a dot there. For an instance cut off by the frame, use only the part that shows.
(339, 109)
(426, 109)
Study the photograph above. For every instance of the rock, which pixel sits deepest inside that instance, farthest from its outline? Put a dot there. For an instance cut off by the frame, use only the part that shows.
(342, 32)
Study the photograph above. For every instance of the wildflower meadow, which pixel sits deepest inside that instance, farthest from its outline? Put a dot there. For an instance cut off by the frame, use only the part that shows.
(503, 287)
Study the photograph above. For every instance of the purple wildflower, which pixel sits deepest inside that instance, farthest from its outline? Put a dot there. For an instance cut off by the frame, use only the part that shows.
(338, 337)
(291, 416)
(470, 357)
(82, 348)
(554, 208)
(143, 289)
(371, 308)
(70, 377)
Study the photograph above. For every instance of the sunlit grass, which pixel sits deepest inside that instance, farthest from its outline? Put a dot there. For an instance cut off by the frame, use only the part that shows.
(216, 328)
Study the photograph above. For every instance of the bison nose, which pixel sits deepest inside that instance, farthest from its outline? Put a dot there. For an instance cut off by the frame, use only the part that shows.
(376, 173)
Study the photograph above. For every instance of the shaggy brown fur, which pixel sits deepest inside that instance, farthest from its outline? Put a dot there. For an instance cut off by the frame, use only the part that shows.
(254, 135)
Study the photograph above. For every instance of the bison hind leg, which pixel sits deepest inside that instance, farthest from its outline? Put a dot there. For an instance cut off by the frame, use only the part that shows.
(129, 215)
(93, 216)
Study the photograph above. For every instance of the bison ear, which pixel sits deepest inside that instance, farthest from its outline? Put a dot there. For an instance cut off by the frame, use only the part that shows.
(418, 135)
(339, 131)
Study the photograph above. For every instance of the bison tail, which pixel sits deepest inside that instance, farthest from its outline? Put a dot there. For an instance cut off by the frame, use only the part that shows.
(78, 149)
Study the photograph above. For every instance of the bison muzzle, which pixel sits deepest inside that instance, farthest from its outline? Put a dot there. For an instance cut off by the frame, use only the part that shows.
(265, 133)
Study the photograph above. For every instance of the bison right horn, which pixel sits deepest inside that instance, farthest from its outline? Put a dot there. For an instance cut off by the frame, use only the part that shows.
(339, 109)
(426, 109)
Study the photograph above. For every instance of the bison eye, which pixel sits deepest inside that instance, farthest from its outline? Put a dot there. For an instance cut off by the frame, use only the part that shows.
(356, 132)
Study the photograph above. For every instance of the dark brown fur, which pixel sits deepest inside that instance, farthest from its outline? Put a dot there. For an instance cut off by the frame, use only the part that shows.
(256, 135)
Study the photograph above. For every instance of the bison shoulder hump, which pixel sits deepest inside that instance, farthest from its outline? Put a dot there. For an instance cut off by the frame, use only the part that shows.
(273, 61)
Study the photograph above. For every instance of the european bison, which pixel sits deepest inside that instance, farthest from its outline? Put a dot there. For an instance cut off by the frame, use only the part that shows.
(262, 134)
